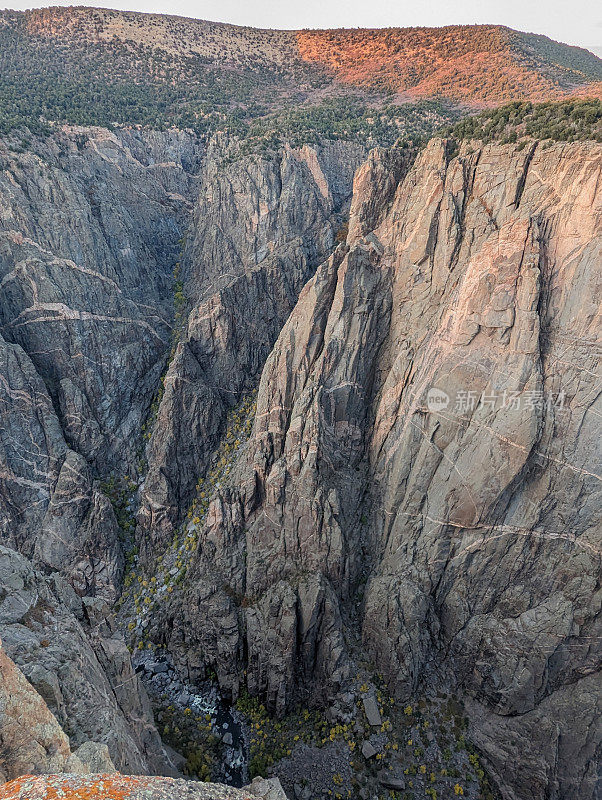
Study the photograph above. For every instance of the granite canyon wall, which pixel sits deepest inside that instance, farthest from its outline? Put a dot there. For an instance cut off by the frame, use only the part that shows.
(121, 309)
(457, 535)
(422, 480)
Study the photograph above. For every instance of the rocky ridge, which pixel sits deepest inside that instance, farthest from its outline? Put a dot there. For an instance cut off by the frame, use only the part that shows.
(89, 229)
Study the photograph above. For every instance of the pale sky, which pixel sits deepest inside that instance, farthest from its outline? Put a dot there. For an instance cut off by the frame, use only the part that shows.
(574, 22)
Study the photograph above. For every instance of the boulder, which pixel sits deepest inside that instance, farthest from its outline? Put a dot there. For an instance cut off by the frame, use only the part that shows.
(368, 750)
(372, 710)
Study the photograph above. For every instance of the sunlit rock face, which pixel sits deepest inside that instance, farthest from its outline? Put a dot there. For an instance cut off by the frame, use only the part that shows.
(425, 458)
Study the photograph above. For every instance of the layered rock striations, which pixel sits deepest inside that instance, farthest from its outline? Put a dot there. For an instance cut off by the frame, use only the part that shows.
(123, 255)
(90, 223)
(90, 228)
(260, 227)
(99, 230)
(456, 530)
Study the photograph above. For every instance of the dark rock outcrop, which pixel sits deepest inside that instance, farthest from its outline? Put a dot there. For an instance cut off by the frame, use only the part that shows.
(90, 223)
(89, 233)
(261, 225)
(51, 508)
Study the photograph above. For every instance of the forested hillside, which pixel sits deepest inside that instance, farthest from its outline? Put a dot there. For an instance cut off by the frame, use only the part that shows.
(90, 66)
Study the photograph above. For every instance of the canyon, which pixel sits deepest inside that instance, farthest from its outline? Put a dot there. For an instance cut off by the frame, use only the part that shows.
(300, 445)
(456, 547)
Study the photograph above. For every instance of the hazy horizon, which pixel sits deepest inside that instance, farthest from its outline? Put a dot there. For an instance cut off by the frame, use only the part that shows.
(583, 28)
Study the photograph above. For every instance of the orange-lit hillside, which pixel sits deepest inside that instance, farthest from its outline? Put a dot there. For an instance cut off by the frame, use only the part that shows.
(481, 64)
(96, 66)
(591, 90)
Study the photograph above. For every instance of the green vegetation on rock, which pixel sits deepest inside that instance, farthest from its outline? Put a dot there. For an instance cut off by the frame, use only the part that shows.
(190, 734)
(566, 121)
(347, 118)
(142, 592)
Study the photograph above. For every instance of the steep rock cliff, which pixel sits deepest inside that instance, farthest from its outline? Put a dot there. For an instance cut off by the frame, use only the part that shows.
(90, 222)
(90, 226)
(260, 227)
(51, 508)
(93, 250)
(424, 464)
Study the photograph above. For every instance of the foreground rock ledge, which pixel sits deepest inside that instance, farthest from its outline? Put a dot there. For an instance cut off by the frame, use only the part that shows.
(120, 787)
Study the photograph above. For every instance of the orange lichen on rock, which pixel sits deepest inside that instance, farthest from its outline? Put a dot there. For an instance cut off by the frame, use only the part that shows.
(115, 787)
(71, 787)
